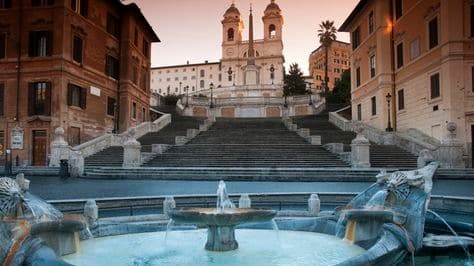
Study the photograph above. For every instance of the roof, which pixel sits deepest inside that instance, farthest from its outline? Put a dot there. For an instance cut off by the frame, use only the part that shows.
(134, 8)
(186, 65)
(319, 47)
(345, 26)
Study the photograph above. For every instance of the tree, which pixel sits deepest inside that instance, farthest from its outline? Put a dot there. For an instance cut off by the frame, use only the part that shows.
(327, 34)
(341, 94)
(294, 81)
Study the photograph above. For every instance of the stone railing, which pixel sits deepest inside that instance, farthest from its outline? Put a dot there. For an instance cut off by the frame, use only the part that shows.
(241, 101)
(61, 150)
(448, 152)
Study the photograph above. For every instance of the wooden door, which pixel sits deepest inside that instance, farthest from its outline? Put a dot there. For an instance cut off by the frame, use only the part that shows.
(40, 142)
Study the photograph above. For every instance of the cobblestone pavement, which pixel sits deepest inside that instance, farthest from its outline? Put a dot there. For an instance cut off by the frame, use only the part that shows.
(50, 188)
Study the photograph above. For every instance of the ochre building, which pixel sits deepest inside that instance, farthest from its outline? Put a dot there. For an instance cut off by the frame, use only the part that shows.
(78, 64)
(414, 60)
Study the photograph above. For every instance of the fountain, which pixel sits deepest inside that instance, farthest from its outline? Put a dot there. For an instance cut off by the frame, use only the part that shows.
(32, 232)
(222, 220)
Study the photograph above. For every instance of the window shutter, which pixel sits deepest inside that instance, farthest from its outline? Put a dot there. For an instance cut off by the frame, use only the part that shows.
(83, 98)
(32, 44)
(70, 87)
(84, 7)
(47, 102)
(31, 99)
(49, 43)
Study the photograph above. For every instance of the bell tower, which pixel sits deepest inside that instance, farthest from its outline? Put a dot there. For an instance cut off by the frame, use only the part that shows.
(272, 22)
(232, 26)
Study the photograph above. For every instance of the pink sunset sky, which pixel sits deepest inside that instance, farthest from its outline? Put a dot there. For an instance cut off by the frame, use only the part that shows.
(192, 30)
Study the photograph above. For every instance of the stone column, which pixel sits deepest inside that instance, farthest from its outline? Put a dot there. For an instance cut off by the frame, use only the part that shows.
(451, 150)
(59, 148)
(314, 204)
(360, 150)
(168, 204)
(131, 151)
(244, 201)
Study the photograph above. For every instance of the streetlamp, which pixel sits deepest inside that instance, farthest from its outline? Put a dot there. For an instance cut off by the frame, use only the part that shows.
(8, 162)
(211, 86)
(272, 73)
(180, 83)
(389, 125)
(187, 95)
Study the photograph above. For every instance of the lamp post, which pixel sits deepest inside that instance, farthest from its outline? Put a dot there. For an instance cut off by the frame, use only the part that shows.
(272, 73)
(187, 95)
(211, 86)
(8, 162)
(180, 83)
(389, 124)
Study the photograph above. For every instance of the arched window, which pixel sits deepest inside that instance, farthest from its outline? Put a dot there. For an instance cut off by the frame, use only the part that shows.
(230, 35)
(272, 31)
(201, 84)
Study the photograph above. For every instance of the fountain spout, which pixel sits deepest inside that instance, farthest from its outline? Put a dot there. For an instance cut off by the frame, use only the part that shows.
(223, 201)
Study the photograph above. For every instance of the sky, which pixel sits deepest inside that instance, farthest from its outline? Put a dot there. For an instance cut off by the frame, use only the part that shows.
(192, 30)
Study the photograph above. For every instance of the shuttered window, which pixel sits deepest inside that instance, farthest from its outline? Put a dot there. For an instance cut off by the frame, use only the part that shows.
(3, 45)
(40, 43)
(2, 99)
(399, 55)
(4, 4)
(113, 25)
(38, 3)
(435, 86)
(77, 46)
(110, 106)
(401, 100)
(374, 105)
(39, 98)
(112, 67)
(433, 33)
(76, 96)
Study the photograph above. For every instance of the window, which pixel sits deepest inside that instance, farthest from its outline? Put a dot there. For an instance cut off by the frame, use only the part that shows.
(359, 112)
(398, 8)
(77, 49)
(355, 38)
(145, 47)
(135, 73)
(176, 79)
(193, 88)
(143, 114)
(400, 55)
(401, 100)
(201, 84)
(272, 31)
(202, 73)
(112, 67)
(230, 35)
(134, 110)
(74, 136)
(358, 76)
(39, 98)
(76, 96)
(472, 20)
(472, 79)
(111, 106)
(433, 33)
(2, 99)
(193, 77)
(37, 3)
(4, 4)
(135, 37)
(144, 79)
(372, 66)
(374, 105)
(176, 90)
(113, 25)
(371, 22)
(40, 43)
(435, 86)
(220, 77)
(3, 45)
(80, 6)
(415, 48)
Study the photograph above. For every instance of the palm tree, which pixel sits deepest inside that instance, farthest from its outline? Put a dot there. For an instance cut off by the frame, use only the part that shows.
(327, 34)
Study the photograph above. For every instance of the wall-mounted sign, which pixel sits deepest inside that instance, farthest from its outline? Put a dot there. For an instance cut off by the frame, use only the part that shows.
(17, 138)
(95, 91)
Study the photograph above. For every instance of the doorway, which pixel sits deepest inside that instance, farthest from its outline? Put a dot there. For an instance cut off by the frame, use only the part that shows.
(39, 147)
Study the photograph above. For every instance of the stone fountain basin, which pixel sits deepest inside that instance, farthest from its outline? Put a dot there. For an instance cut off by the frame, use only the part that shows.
(212, 216)
(383, 216)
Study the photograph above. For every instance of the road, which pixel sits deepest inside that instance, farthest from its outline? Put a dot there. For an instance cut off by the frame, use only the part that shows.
(52, 188)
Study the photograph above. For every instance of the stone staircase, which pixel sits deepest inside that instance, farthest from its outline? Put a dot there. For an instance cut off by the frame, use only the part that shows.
(389, 156)
(113, 156)
(247, 142)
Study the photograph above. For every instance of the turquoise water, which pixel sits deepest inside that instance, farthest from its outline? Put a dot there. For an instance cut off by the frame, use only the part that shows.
(256, 247)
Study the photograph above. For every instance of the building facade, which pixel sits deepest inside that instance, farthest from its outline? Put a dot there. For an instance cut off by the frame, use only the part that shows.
(261, 59)
(338, 58)
(77, 64)
(412, 65)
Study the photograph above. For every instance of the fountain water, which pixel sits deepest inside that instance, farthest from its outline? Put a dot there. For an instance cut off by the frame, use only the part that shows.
(458, 239)
(222, 220)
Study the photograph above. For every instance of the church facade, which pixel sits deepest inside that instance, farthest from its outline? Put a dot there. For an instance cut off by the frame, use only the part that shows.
(247, 68)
